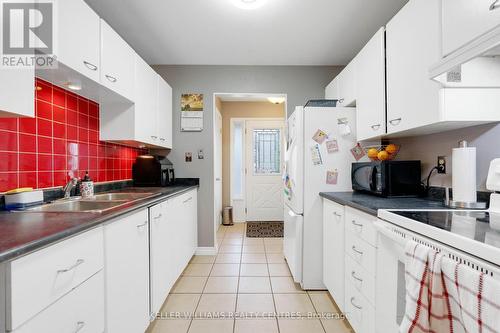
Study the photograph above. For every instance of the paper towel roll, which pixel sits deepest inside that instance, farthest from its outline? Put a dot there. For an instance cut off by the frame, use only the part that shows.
(464, 174)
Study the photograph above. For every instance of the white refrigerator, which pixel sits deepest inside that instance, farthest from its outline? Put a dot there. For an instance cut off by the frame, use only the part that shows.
(308, 162)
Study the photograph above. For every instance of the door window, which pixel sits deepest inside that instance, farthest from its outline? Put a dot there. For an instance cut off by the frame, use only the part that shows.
(266, 151)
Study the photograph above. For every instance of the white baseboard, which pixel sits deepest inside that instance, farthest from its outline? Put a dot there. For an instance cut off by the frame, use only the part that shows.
(206, 251)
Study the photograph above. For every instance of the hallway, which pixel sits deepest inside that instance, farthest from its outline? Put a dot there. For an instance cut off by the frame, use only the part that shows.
(248, 280)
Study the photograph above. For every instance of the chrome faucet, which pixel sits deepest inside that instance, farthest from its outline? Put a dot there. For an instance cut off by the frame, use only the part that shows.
(69, 186)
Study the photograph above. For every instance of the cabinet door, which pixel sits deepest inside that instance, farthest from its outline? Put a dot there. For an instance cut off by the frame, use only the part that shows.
(347, 85)
(412, 47)
(465, 20)
(370, 88)
(127, 273)
(164, 113)
(333, 250)
(117, 62)
(332, 90)
(163, 253)
(146, 102)
(18, 93)
(78, 37)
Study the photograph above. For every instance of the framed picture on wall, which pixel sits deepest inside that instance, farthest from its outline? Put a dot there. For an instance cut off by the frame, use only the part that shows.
(192, 112)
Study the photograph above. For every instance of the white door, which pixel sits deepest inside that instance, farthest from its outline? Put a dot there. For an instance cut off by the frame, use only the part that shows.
(218, 168)
(264, 165)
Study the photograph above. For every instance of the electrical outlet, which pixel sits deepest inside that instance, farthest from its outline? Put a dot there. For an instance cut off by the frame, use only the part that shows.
(441, 164)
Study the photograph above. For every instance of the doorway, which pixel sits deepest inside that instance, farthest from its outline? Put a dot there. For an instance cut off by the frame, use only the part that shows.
(252, 152)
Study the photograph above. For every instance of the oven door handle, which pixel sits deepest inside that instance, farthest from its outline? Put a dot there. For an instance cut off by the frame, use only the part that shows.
(381, 228)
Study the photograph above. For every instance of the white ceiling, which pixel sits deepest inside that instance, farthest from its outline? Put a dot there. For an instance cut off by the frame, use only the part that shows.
(215, 32)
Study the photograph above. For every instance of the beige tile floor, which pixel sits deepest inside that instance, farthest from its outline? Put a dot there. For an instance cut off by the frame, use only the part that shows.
(246, 287)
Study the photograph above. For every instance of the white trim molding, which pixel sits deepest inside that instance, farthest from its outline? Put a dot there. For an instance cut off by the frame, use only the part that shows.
(206, 251)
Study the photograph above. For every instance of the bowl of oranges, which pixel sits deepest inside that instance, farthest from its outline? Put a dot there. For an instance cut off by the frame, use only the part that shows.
(382, 153)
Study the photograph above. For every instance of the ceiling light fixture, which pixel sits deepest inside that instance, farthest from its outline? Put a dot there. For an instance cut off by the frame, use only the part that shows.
(249, 4)
(276, 100)
(73, 86)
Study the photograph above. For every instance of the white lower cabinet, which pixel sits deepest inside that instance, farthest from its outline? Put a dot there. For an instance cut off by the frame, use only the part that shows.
(81, 310)
(174, 239)
(127, 273)
(333, 250)
(349, 262)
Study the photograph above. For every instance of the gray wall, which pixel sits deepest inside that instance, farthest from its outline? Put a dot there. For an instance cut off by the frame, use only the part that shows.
(300, 83)
(486, 139)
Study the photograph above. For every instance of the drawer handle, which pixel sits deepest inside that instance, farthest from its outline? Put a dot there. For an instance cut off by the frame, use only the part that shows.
(395, 122)
(357, 224)
(353, 274)
(375, 127)
(90, 66)
(79, 326)
(188, 199)
(111, 78)
(340, 100)
(142, 225)
(72, 267)
(356, 250)
(354, 304)
(157, 217)
(494, 5)
(337, 215)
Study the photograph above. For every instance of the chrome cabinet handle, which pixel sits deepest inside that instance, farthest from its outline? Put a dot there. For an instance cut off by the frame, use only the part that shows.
(142, 224)
(90, 66)
(158, 216)
(111, 78)
(395, 122)
(162, 139)
(357, 224)
(188, 199)
(72, 267)
(353, 274)
(356, 250)
(154, 137)
(79, 326)
(494, 5)
(337, 214)
(354, 304)
(375, 127)
(340, 100)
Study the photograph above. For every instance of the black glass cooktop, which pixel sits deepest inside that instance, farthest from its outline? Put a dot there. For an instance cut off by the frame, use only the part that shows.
(478, 225)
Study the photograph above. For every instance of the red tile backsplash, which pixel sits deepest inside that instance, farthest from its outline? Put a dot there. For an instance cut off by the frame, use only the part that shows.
(63, 138)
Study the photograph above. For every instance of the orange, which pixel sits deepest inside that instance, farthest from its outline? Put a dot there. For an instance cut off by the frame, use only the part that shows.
(383, 155)
(391, 149)
(372, 153)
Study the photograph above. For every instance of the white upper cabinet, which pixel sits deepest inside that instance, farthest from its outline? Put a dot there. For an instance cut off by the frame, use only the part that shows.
(117, 63)
(164, 113)
(413, 45)
(146, 103)
(347, 85)
(465, 20)
(332, 90)
(18, 93)
(370, 88)
(78, 37)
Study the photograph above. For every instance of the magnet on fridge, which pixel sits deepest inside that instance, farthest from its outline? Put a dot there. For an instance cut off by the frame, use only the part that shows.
(316, 155)
(332, 146)
(358, 152)
(319, 136)
(332, 177)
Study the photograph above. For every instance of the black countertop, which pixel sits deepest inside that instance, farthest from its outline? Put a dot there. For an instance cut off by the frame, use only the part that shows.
(371, 204)
(21, 233)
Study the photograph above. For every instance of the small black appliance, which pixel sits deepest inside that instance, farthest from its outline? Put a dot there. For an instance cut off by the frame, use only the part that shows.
(149, 170)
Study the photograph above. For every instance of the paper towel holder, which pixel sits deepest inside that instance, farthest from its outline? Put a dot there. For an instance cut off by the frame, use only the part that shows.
(460, 204)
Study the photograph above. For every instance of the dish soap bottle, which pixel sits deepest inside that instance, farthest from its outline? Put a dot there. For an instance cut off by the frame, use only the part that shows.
(86, 186)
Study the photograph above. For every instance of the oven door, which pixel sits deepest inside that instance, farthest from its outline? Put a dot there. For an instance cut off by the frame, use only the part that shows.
(390, 298)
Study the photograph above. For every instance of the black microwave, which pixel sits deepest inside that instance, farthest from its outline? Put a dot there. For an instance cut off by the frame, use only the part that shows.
(387, 178)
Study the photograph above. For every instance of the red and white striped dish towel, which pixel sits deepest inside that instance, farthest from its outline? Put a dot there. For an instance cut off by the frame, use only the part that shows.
(474, 295)
(444, 296)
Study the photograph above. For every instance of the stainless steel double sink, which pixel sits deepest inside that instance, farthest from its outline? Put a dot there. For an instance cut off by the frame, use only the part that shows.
(96, 204)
